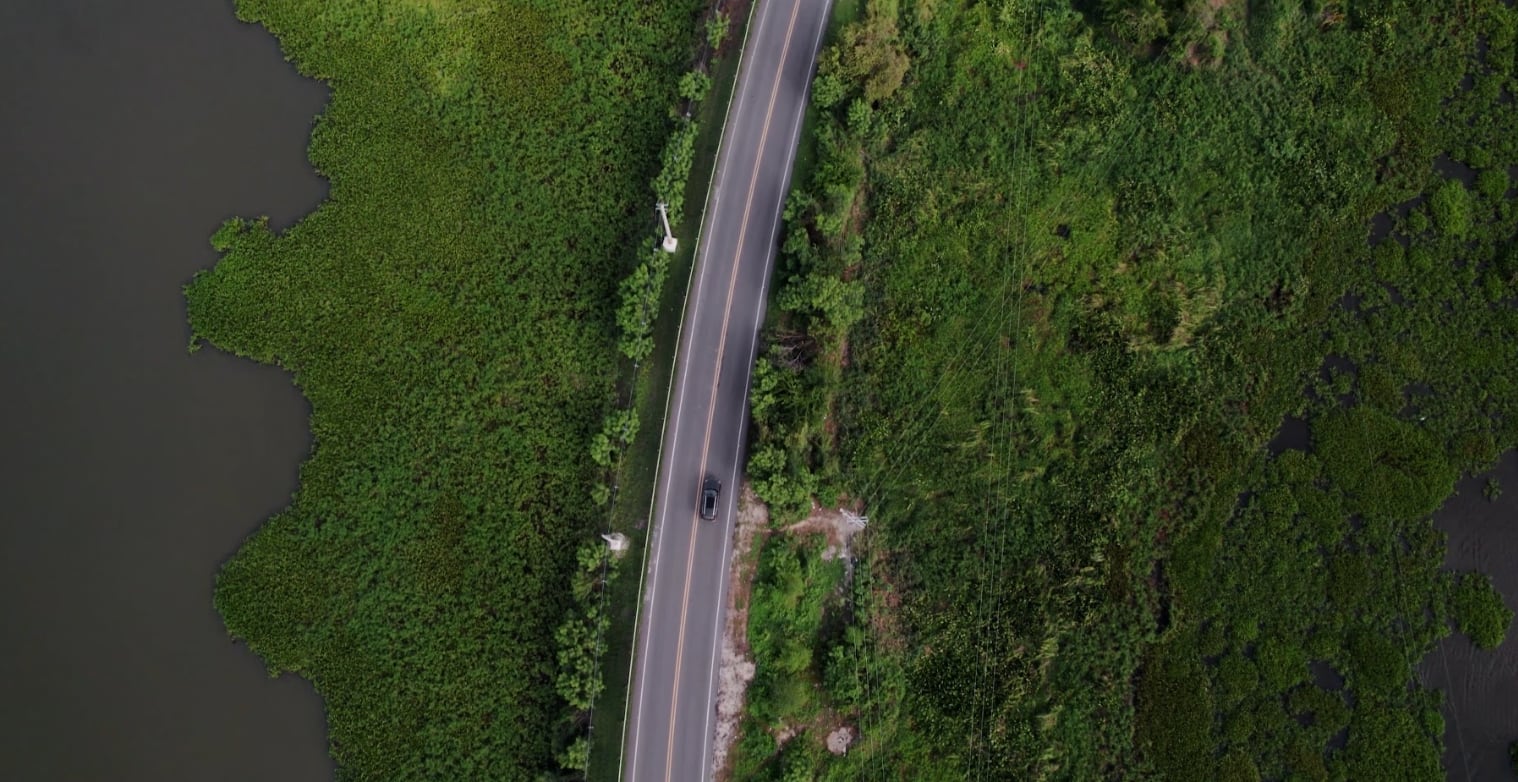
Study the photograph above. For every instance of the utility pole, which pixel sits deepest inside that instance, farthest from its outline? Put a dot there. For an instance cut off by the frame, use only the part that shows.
(670, 242)
(617, 542)
(853, 519)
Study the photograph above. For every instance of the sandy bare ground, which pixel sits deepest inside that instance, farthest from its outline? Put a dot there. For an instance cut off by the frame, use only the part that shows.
(736, 668)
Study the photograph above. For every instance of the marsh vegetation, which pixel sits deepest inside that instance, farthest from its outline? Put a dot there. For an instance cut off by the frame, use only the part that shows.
(1059, 274)
(449, 312)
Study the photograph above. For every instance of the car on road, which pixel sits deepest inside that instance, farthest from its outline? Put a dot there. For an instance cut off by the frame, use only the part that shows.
(709, 491)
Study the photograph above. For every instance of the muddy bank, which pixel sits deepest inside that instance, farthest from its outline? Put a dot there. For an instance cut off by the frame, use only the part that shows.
(1480, 688)
(131, 469)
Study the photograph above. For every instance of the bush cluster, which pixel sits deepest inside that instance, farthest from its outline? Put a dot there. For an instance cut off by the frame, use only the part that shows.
(797, 378)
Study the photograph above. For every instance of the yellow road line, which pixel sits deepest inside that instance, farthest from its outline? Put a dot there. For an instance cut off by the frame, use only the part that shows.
(711, 411)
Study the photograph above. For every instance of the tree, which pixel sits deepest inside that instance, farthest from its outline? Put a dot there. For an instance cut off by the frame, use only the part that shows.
(859, 117)
(1238, 767)
(601, 449)
(679, 153)
(1451, 207)
(868, 56)
(1174, 704)
(1479, 610)
(640, 300)
(839, 303)
(717, 28)
(578, 682)
(1237, 678)
(576, 757)
(622, 426)
(828, 90)
(694, 86)
(636, 347)
(1388, 743)
(1493, 183)
(843, 672)
(1376, 663)
(617, 432)
(762, 396)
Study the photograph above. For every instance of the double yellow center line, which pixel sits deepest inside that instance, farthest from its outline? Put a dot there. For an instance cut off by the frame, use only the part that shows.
(690, 559)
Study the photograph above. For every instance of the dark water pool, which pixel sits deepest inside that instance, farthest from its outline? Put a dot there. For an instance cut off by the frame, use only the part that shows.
(128, 469)
(1480, 688)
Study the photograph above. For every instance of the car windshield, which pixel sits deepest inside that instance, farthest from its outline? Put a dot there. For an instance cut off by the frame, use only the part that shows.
(709, 491)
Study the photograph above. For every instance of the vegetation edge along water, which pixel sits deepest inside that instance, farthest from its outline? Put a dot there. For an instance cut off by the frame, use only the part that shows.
(449, 313)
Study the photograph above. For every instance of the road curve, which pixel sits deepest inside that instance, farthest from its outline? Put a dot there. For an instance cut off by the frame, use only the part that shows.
(670, 723)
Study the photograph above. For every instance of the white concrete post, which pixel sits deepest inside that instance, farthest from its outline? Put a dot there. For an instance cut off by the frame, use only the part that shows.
(616, 541)
(670, 242)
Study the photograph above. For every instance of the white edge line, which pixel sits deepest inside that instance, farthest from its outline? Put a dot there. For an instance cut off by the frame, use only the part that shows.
(748, 372)
(653, 529)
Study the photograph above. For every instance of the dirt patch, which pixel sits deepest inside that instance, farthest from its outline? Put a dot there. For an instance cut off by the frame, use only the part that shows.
(736, 668)
(839, 740)
(838, 525)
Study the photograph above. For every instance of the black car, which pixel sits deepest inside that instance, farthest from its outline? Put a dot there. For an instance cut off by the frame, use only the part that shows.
(709, 491)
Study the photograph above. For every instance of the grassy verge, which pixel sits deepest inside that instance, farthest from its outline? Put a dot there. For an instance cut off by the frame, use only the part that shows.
(651, 388)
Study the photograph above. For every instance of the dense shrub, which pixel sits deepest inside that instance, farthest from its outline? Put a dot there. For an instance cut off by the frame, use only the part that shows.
(1480, 611)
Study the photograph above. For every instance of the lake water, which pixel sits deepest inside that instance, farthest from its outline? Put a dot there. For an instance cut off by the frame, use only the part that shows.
(131, 469)
(1480, 687)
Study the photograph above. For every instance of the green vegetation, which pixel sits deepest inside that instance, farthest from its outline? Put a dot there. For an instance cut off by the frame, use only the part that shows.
(796, 380)
(1479, 610)
(717, 27)
(791, 593)
(1058, 275)
(808, 652)
(449, 314)
(581, 636)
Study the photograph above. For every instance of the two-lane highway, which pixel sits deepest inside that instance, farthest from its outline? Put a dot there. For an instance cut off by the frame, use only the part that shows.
(670, 724)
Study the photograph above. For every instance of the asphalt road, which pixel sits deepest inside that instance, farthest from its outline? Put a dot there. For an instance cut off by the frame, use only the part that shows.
(672, 709)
